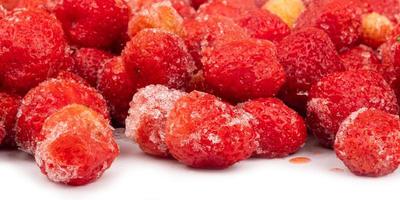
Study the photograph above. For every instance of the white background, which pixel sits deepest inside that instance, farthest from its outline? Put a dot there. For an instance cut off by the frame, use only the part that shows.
(137, 176)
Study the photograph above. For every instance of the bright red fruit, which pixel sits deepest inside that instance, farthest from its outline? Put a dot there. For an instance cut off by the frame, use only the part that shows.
(340, 19)
(183, 7)
(88, 62)
(336, 96)
(307, 55)
(281, 131)
(33, 48)
(155, 56)
(160, 15)
(361, 57)
(117, 87)
(243, 69)
(204, 132)
(368, 142)
(78, 146)
(227, 8)
(390, 55)
(262, 24)
(93, 23)
(9, 105)
(44, 100)
(203, 31)
(146, 123)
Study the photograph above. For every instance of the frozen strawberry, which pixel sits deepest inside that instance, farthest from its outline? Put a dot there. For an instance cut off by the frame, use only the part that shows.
(307, 55)
(287, 10)
(88, 62)
(183, 7)
(117, 87)
(93, 23)
(148, 112)
(376, 29)
(204, 132)
(203, 31)
(281, 131)
(9, 105)
(227, 8)
(361, 57)
(155, 56)
(390, 55)
(262, 24)
(78, 147)
(340, 19)
(368, 142)
(336, 96)
(159, 15)
(44, 100)
(387, 8)
(33, 48)
(243, 69)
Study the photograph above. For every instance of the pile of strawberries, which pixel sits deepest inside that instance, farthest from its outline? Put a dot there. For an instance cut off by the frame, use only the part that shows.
(209, 83)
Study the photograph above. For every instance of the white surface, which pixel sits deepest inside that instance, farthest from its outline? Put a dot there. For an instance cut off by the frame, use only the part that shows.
(136, 176)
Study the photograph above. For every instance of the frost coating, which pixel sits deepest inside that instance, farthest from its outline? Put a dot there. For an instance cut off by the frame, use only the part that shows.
(159, 15)
(147, 117)
(117, 87)
(204, 132)
(46, 99)
(368, 142)
(336, 96)
(78, 148)
(33, 49)
(307, 55)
